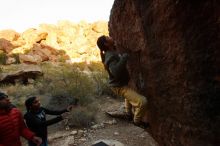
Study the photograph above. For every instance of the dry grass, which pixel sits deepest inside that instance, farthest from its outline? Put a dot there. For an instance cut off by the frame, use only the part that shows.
(62, 83)
(3, 57)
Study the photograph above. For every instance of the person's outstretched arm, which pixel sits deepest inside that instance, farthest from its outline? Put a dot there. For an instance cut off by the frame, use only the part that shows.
(54, 112)
(36, 122)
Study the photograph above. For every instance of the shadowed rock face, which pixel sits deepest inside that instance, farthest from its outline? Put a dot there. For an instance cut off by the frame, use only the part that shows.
(175, 57)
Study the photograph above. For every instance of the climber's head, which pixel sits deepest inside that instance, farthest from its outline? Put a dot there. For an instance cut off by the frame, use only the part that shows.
(105, 43)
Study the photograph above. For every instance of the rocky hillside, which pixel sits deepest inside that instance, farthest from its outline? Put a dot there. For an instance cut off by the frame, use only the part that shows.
(65, 41)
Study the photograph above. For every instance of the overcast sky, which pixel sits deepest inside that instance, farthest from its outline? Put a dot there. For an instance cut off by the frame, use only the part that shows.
(22, 14)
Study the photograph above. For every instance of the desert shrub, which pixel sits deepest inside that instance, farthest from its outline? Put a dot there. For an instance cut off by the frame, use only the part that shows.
(82, 116)
(62, 59)
(81, 66)
(62, 52)
(18, 93)
(79, 80)
(96, 67)
(65, 80)
(3, 58)
(27, 50)
(20, 90)
(62, 101)
(100, 77)
(61, 84)
(16, 57)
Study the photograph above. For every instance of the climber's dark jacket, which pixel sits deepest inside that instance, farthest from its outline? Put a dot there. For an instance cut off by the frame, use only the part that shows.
(116, 66)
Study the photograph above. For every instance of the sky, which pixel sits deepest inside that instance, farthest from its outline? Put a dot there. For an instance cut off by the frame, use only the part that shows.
(23, 14)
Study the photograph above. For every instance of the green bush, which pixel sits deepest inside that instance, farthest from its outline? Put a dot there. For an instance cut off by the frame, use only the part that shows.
(82, 116)
(61, 83)
(100, 77)
(17, 60)
(65, 80)
(18, 93)
(3, 58)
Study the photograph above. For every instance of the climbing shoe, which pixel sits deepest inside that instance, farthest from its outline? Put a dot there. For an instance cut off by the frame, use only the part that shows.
(120, 115)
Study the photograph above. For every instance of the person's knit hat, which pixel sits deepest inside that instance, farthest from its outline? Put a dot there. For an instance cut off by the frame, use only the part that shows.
(29, 102)
(3, 95)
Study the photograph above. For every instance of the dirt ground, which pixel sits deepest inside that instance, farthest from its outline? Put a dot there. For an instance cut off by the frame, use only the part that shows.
(107, 128)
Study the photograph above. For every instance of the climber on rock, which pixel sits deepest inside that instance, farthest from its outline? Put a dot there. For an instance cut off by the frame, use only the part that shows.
(115, 65)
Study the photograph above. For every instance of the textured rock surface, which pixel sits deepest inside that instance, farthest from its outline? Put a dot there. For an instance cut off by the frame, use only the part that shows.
(22, 74)
(174, 47)
(10, 35)
(74, 42)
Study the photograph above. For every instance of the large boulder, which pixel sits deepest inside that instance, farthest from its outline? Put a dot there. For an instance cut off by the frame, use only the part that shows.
(65, 41)
(109, 142)
(30, 59)
(33, 35)
(174, 62)
(9, 34)
(5, 45)
(21, 75)
(100, 27)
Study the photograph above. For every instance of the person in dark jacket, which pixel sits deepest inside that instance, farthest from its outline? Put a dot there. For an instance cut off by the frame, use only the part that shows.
(12, 125)
(35, 118)
(115, 64)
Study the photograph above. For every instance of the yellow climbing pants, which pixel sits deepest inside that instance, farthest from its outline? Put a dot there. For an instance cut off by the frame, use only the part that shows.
(133, 100)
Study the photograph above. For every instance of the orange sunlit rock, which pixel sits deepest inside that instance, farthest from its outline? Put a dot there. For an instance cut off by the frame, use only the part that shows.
(76, 41)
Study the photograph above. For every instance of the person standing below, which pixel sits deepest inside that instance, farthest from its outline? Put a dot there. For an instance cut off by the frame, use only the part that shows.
(115, 64)
(12, 125)
(36, 118)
